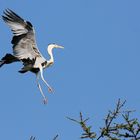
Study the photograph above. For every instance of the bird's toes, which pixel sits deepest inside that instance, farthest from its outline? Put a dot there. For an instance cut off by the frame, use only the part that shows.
(50, 90)
(45, 101)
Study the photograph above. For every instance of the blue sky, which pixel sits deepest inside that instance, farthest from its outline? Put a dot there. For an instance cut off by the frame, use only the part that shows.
(100, 63)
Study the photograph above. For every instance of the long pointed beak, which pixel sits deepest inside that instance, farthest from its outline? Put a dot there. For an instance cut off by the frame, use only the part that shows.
(61, 47)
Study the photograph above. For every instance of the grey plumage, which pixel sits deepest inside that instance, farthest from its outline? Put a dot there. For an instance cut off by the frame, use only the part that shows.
(24, 44)
(25, 49)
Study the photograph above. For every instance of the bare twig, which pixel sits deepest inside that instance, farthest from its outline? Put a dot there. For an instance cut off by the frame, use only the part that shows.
(32, 138)
(55, 137)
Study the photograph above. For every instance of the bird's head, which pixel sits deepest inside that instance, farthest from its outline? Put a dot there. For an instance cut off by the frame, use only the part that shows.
(51, 46)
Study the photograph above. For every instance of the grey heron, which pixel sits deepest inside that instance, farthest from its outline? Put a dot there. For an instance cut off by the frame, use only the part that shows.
(25, 49)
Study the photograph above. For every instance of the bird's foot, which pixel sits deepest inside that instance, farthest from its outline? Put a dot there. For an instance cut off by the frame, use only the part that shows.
(45, 101)
(50, 90)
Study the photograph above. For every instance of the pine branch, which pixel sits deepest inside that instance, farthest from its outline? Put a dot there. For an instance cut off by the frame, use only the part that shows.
(87, 133)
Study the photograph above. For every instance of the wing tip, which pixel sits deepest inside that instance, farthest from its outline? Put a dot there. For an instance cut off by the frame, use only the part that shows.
(10, 15)
(7, 12)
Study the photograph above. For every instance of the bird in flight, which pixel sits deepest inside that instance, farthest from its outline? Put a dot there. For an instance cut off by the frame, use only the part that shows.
(25, 49)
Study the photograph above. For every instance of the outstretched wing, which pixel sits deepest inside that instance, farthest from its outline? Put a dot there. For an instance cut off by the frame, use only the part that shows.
(24, 44)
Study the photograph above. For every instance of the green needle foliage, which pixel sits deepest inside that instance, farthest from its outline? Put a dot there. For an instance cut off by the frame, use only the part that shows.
(128, 129)
(118, 125)
(87, 133)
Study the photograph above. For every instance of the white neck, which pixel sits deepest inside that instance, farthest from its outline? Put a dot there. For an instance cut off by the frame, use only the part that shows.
(51, 60)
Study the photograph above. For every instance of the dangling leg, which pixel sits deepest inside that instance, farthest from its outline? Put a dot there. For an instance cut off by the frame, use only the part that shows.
(41, 73)
(44, 98)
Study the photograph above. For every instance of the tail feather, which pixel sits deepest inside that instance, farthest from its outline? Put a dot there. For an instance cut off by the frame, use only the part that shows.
(22, 71)
(26, 68)
(7, 59)
(2, 62)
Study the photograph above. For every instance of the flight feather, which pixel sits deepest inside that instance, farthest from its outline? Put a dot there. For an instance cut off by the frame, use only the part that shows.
(24, 43)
